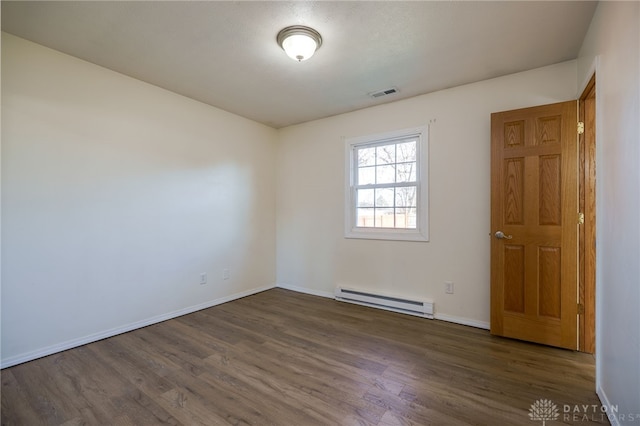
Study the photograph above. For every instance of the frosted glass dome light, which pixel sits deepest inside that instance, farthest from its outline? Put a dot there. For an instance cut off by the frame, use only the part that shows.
(298, 42)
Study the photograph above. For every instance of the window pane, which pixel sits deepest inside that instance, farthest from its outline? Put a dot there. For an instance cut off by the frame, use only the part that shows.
(406, 218)
(406, 152)
(385, 174)
(366, 157)
(387, 186)
(406, 172)
(386, 154)
(384, 197)
(366, 175)
(365, 197)
(406, 196)
(365, 218)
(384, 218)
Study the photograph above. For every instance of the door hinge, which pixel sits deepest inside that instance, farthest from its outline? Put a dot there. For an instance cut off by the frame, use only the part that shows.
(580, 127)
(580, 309)
(580, 218)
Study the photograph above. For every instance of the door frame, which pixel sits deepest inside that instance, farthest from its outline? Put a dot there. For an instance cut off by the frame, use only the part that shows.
(587, 232)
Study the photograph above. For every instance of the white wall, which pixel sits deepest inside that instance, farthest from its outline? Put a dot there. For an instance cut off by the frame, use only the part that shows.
(116, 195)
(312, 254)
(612, 49)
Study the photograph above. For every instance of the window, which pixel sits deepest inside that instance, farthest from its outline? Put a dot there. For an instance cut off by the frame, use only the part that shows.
(386, 194)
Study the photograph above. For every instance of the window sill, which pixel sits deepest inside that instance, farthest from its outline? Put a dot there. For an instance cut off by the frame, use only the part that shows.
(387, 234)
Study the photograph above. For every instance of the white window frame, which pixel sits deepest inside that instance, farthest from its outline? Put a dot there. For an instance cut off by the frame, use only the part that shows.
(421, 233)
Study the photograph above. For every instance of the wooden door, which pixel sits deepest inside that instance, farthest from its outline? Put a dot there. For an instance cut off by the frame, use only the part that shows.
(534, 204)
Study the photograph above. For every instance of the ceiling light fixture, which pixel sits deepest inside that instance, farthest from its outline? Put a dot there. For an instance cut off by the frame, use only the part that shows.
(299, 43)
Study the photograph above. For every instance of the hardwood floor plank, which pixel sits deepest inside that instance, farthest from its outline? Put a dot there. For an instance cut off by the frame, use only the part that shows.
(412, 412)
(166, 349)
(143, 410)
(47, 393)
(148, 354)
(461, 407)
(91, 382)
(285, 358)
(289, 382)
(133, 367)
(188, 408)
(231, 407)
(16, 405)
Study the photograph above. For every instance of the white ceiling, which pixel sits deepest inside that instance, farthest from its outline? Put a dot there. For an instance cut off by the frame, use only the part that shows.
(225, 53)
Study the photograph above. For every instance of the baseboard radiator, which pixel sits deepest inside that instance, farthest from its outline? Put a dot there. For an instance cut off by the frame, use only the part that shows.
(420, 308)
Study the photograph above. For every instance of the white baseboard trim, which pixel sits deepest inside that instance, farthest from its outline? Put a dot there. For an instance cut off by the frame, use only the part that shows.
(463, 321)
(441, 317)
(605, 403)
(50, 350)
(305, 290)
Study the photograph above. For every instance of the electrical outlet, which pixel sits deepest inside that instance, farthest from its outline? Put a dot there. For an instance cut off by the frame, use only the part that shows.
(225, 274)
(203, 278)
(448, 287)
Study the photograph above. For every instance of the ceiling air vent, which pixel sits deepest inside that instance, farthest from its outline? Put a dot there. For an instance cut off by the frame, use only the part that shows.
(385, 92)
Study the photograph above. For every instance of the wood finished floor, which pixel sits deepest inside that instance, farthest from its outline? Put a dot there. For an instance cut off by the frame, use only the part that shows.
(285, 358)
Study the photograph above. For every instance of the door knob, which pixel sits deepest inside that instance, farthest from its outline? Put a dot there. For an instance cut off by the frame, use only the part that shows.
(500, 235)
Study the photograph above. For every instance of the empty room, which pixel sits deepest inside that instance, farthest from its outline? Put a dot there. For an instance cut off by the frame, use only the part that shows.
(320, 213)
